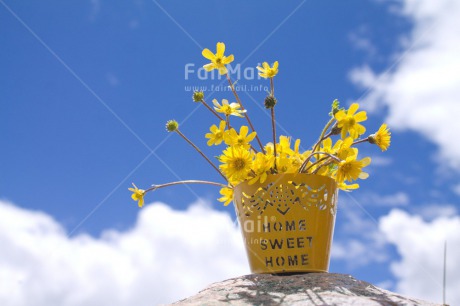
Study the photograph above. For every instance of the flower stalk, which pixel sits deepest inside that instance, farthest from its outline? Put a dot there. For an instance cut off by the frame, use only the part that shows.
(242, 107)
(211, 110)
(201, 153)
(155, 187)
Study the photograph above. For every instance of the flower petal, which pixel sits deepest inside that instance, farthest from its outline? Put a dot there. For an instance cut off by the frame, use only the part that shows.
(353, 108)
(265, 65)
(360, 129)
(208, 54)
(251, 136)
(227, 59)
(222, 70)
(340, 115)
(209, 67)
(361, 116)
(275, 65)
(220, 49)
(244, 131)
(366, 161)
(264, 75)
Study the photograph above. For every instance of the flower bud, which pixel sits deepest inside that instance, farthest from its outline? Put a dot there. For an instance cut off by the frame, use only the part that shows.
(270, 102)
(335, 108)
(336, 130)
(198, 96)
(172, 125)
(371, 139)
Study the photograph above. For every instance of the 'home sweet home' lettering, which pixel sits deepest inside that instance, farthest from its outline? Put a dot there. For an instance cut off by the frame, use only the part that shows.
(281, 261)
(289, 226)
(299, 242)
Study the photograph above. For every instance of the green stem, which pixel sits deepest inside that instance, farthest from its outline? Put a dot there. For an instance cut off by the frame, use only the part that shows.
(301, 169)
(360, 141)
(321, 138)
(315, 163)
(155, 187)
(274, 134)
(322, 165)
(272, 110)
(201, 153)
(245, 114)
(212, 111)
(272, 88)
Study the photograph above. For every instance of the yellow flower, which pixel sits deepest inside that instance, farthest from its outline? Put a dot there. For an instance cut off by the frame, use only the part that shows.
(138, 195)
(348, 122)
(268, 72)
(382, 138)
(236, 163)
(227, 195)
(261, 165)
(217, 134)
(285, 164)
(218, 60)
(350, 169)
(343, 148)
(297, 157)
(327, 147)
(228, 109)
(232, 138)
(284, 146)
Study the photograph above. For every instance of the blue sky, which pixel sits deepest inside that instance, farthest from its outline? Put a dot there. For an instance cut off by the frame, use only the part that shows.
(87, 86)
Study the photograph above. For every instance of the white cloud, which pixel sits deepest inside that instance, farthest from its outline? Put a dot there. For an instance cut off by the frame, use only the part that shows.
(167, 255)
(433, 211)
(421, 246)
(422, 92)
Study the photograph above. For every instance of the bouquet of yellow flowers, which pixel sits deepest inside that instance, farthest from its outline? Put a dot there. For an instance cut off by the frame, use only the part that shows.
(244, 160)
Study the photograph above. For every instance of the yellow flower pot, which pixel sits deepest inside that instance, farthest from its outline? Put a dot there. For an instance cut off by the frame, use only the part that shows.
(287, 222)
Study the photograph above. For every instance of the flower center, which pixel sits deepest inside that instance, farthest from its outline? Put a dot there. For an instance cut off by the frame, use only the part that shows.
(346, 168)
(351, 120)
(239, 164)
(218, 60)
(227, 110)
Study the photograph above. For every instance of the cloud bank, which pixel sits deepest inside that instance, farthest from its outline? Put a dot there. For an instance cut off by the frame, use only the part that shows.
(170, 254)
(422, 92)
(421, 247)
(167, 255)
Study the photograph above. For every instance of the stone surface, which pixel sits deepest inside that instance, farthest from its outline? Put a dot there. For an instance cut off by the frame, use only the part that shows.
(297, 289)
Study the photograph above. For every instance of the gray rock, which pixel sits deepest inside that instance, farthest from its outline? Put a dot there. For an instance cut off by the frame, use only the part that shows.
(297, 289)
